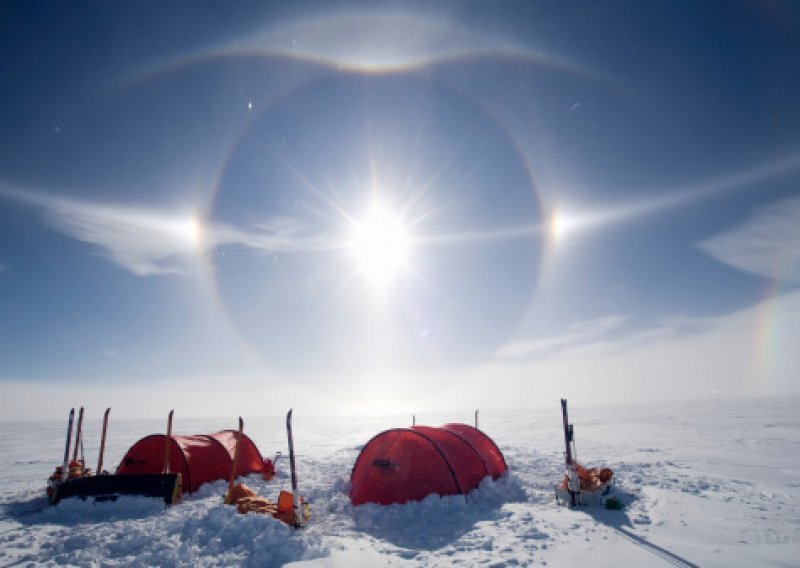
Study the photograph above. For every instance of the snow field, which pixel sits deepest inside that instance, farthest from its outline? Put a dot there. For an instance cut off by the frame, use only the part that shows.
(705, 484)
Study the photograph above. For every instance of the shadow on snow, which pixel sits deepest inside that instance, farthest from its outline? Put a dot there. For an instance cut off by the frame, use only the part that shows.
(620, 521)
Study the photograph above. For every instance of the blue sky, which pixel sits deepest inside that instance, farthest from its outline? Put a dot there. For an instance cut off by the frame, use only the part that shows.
(402, 207)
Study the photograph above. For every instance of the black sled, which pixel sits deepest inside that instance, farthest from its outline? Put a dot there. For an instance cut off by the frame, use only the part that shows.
(74, 479)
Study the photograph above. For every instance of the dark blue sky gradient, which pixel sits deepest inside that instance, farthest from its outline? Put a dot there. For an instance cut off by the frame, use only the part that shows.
(662, 130)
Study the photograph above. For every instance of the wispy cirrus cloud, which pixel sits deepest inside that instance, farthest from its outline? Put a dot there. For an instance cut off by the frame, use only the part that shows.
(149, 241)
(578, 333)
(145, 242)
(278, 234)
(766, 244)
(736, 354)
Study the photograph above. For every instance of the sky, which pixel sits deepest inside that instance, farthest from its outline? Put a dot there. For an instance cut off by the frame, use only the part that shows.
(396, 207)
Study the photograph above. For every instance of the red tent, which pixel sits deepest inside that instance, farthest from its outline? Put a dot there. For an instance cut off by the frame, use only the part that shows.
(407, 464)
(199, 459)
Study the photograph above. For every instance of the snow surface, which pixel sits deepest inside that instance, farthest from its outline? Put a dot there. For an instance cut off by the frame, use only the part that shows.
(711, 483)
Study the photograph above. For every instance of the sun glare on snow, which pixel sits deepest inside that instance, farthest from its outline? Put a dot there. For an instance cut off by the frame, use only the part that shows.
(380, 246)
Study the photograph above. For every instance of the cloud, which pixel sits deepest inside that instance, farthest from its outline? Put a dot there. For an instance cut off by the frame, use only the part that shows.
(279, 234)
(578, 333)
(148, 241)
(767, 244)
(143, 241)
(746, 353)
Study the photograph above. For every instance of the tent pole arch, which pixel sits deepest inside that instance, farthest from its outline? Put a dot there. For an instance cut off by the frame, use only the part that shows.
(186, 466)
(245, 438)
(423, 436)
(446, 461)
(471, 447)
(406, 464)
(477, 451)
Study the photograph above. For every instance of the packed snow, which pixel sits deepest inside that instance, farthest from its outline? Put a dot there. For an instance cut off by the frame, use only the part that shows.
(711, 483)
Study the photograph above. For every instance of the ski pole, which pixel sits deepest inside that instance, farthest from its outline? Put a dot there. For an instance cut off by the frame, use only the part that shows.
(568, 455)
(168, 442)
(235, 464)
(65, 468)
(78, 433)
(298, 514)
(102, 443)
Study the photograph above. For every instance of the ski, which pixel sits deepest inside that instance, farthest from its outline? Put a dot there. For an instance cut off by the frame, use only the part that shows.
(235, 465)
(65, 468)
(168, 442)
(297, 506)
(99, 470)
(78, 433)
(568, 436)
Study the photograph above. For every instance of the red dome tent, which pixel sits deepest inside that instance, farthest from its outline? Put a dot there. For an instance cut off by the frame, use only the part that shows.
(199, 458)
(407, 464)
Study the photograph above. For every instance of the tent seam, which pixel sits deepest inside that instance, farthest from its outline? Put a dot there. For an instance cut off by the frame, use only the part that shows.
(441, 453)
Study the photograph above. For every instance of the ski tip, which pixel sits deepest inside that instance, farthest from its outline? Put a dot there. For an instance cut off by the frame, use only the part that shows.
(289, 414)
(241, 423)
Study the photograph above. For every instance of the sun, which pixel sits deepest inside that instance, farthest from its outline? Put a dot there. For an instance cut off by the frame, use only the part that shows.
(380, 246)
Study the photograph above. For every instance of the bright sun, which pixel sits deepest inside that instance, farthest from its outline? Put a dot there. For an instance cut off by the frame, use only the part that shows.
(380, 246)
